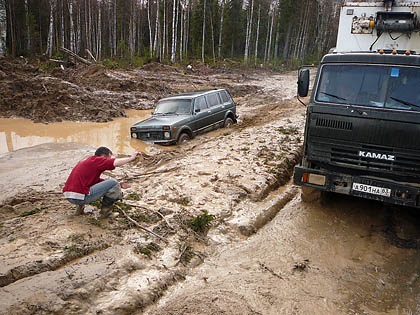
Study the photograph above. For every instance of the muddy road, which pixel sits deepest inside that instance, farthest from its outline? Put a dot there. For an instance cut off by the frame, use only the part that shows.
(210, 227)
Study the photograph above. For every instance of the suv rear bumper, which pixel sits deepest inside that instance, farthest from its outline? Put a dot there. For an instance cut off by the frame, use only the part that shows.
(406, 194)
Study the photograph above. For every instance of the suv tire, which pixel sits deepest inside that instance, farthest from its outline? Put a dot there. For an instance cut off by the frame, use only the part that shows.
(228, 122)
(183, 137)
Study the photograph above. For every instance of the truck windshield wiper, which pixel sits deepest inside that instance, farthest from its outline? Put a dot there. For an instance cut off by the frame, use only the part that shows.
(335, 96)
(404, 102)
(343, 99)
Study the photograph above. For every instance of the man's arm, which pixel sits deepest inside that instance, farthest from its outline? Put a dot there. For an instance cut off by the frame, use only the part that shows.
(122, 161)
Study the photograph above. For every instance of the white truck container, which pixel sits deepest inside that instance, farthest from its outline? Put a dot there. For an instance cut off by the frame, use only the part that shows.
(370, 25)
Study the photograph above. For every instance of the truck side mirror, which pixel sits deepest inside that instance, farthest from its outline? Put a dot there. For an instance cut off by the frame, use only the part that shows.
(303, 82)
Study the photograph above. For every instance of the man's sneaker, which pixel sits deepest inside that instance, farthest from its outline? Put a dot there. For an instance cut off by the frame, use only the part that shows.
(113, 215)
(80, 209)
(105, 212)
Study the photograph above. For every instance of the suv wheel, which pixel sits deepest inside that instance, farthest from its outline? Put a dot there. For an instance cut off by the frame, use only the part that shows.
(183, 137)
(228, 123)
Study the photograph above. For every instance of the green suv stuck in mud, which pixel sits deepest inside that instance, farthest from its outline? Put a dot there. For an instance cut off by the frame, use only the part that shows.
(181, 117)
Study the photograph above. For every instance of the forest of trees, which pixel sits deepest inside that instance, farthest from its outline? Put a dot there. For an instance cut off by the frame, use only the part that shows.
(250, 31)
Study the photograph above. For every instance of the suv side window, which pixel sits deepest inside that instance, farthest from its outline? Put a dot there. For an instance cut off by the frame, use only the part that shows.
(213, 99)
(200, 103)
(224, 96)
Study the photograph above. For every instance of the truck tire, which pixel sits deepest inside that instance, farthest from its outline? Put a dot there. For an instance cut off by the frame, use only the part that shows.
(309, 194)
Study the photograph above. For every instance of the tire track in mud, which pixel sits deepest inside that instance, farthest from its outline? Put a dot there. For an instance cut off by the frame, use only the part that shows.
(110, 289)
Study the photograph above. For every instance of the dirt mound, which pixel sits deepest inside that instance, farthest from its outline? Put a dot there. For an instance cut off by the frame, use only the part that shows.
(29, 92)
(95, 93)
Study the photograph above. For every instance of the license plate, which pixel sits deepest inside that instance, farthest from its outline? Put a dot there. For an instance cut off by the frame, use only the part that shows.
(375, 190)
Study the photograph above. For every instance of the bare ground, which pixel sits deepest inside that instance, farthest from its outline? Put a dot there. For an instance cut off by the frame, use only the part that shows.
(54, 262)
(154, 258)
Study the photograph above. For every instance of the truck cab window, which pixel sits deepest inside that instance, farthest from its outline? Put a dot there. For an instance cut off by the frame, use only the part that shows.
(403, 89)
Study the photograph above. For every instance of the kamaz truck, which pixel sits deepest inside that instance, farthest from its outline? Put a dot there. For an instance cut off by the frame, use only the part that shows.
(362, 132)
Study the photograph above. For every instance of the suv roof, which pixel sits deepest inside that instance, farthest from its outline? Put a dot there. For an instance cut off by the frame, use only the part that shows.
(191, 94)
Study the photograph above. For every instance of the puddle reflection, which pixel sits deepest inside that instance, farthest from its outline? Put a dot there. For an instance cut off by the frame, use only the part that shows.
(21, 133)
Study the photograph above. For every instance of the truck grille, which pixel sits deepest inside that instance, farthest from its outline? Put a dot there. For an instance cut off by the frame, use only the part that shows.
(334, 124)
(406, 162)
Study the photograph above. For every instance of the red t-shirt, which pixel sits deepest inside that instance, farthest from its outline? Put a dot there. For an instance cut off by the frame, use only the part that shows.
(87, 173)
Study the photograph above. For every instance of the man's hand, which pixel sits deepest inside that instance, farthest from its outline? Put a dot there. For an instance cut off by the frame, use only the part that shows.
(122, 161)
(134, 155)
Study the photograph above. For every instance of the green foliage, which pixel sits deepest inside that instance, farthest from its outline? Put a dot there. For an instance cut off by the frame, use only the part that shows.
(186, 253)
(73, 250)
(133, 196)
(147, 249)
(201, 223)
(31, 212)
(76, 238)
(111, 64)
(288, 130)
(125, 62)
(183, 201)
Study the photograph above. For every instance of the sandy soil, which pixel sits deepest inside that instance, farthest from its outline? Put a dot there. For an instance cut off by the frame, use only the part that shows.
(256, 255)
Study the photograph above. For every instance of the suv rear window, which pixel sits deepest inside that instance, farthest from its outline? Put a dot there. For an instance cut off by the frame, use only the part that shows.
(213, 99)
(225, 97)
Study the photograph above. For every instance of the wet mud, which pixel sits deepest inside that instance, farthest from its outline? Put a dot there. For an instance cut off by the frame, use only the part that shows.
(210, 227)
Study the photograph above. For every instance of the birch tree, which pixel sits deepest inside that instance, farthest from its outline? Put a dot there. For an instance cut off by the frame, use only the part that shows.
(28, 31)
(3, 27)
(204, 31)
(222, 15)
(50, 43)
(174, 30)
(257, 35)
(72, 35)
(132, 28)
(248, 30)
(157, 31)
(149, 24)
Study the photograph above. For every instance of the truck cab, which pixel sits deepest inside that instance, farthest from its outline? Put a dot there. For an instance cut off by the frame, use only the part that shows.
(362, 132)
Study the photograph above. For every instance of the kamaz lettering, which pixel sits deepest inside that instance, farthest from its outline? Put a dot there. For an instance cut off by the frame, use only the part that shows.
(379, 156)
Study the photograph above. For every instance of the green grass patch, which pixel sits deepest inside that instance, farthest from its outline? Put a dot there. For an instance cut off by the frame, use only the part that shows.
(201, 223)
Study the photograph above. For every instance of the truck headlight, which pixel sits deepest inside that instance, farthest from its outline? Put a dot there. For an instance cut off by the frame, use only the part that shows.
(134, 135)
(167, 134)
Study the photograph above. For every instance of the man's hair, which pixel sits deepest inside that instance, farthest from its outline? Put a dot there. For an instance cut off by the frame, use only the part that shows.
(102, 151)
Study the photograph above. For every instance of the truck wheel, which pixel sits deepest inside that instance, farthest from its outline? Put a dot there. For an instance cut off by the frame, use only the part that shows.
(183, 137)
(228, 122)
(310, 194)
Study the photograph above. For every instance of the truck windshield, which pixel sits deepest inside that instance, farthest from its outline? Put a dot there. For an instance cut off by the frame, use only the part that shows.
(382, 86)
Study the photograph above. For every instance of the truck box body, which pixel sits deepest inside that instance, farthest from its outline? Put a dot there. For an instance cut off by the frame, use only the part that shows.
(362, 133)
(356, 33)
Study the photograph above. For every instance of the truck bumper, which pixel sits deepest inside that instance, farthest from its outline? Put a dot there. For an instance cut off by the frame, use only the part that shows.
(406, 194)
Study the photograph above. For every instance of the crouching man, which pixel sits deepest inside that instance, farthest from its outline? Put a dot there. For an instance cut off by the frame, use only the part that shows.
(85, 185)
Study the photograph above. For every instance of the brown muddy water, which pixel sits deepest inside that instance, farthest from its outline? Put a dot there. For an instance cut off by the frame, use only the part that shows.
(19, 133)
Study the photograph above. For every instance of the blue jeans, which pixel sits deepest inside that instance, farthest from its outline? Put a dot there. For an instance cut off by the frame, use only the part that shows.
(109, 189)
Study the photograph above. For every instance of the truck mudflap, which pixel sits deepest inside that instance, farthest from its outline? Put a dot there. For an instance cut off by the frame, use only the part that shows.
(389, 191)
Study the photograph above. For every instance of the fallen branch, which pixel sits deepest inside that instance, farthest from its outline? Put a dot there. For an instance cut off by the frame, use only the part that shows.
(157, 212)
(58, 61)
(140, 226)
(91, 55)
(154, 172)
(69, 52)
